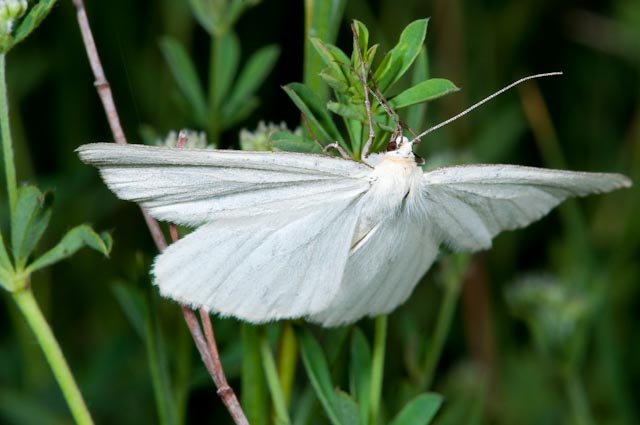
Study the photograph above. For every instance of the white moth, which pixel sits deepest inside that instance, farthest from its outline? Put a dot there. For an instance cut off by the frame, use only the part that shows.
(288, 235)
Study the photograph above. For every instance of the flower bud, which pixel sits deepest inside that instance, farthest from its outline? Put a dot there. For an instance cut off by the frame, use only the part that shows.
(10, 11)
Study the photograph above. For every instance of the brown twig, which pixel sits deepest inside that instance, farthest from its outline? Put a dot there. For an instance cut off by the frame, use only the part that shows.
(367, 103)
(207, 347)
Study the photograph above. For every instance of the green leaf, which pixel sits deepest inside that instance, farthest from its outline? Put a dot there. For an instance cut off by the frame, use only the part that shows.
(208, 13)
(348, 111)
(157, 360)
(273, 381)
(241, 113)
(252, 76)
(313, 109)
(29, 221)
(133, 304)
(363, 36)
(333, 57)
(322, 20)
(399, 59)
(316, 366)
(335, 80)
(254, 395)
(185, 75)
(285, 141)
(227, 57)
(360, 373)
(6, 268)
(31, 20)
(75, 239)
(423, 92)
(236, 9)
(415, 116)
(347, 408)
(419, 411)
(5, 261)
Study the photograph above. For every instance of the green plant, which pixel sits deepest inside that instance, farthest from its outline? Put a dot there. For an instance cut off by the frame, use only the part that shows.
(30, 211)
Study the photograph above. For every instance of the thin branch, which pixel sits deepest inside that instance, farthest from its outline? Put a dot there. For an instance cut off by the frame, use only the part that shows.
(224, 390)
(101, 83)
(207, 347)
(367, 103)
(377, 93)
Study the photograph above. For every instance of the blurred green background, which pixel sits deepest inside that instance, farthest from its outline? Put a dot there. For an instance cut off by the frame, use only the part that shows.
(545, 321)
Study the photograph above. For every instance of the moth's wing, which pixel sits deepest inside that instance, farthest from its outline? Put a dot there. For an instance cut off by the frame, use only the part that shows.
(382, 270)
(470, 204)
(261, 268)
(193, 186)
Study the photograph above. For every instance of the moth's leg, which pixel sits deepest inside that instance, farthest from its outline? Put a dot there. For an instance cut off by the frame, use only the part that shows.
(336, 146)
(367, 104)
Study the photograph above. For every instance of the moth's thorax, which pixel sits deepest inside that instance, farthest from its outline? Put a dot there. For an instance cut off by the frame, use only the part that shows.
(396, 177)
(395, 188)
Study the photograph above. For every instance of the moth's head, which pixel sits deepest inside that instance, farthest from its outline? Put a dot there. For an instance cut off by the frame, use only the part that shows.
(400, 146)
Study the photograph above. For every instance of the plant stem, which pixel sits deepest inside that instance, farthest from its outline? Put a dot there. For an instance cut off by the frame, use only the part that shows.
(577, 398)
(7, 147)
(287, 359)
(275, 387)
(158, 366)
(443, 324)
(377, 365)
(29, 307)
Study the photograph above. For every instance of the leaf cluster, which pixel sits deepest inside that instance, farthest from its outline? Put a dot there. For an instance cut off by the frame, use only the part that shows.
(343, 74)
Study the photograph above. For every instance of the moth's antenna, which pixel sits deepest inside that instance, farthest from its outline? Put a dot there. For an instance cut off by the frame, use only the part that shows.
(486, 99)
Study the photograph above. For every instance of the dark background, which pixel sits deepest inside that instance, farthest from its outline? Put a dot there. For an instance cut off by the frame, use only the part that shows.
(593, 124)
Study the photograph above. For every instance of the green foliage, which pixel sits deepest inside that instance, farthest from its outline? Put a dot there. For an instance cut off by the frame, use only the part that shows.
(230, 99)
(344, 76)
(419, 411)
(358, 406)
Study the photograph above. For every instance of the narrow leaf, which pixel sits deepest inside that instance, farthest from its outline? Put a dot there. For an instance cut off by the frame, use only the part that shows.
(322, 20)
(360, 372)
(316, 366)
(333, 57)
(185, 75)
(313, 109)
(75, 239)
(287, 359)
(252, 76)
(133, 305)
(157, 359)
(423, 92)
(284, 141)
(348, 111)
(363, 37)
(32, 19)
(207, 13)
(399, 59)
(256, 70)
(231, 118)
(419, 411)
(227, 54)
(254, 395)
(415, 116)
(29, 221)
(273, 382)
(347, 408)
(5, 261)
(335, 80)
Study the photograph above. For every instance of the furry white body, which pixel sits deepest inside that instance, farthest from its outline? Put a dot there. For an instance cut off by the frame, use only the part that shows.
(286, 235)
